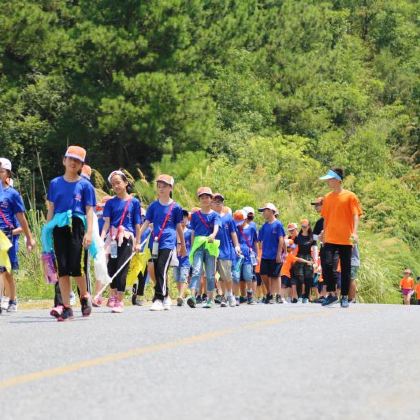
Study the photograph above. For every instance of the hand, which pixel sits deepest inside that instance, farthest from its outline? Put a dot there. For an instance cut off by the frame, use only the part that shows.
(355, 237)
(309, 263)
(211, 238)
(238, 250)
(278, 259)
(321, 237)
(87, 240)
(183, 251)
(30, 244)
(137, 247)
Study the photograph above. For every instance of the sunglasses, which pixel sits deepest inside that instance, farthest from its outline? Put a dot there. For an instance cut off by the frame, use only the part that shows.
(304, 227)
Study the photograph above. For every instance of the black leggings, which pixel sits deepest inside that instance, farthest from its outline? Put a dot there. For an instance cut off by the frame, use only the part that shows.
(305, 275)
(114, 264)
(161, 273)
(332, 251)
(141, 283)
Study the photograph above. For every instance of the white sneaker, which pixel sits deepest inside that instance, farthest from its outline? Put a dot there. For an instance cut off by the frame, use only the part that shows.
(232, 301)
(12, 306)
(167, 302)
(157, 306)
(5, 302)
(300, 300)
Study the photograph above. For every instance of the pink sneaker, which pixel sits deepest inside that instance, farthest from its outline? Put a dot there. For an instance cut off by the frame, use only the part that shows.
(111, 302)
(118, 307)
(57, 311)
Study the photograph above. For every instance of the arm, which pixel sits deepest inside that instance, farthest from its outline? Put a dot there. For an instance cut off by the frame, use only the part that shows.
(355, 234)
(87, 240)
(180, 234)
(50, 213)
(280, 248)
(138, 236)
(30, 242)
(212, 237)
(235, 241)
(105, 228)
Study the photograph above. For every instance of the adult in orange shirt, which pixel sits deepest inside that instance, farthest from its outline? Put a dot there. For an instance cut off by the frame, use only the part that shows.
(407, 286)
(341, 212)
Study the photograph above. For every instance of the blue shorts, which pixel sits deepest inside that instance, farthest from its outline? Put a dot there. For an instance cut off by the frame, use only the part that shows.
(181, 274)
(246, 274)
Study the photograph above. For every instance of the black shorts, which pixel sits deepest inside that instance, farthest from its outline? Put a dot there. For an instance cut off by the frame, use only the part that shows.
(68, 248)
(258, 279)
(270, 268)
(285, 282)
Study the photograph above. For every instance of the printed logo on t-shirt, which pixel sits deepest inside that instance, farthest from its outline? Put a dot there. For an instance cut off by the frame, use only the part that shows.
(78, 197)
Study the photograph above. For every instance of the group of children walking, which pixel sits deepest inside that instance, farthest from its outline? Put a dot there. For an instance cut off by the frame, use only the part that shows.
(222, 257)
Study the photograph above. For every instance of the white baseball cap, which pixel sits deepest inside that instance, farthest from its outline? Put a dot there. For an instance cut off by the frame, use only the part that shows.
(269, 206)
(248, 210)
(6, 164)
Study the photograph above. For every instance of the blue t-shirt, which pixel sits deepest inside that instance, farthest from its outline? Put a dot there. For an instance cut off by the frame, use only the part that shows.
(74, 196)
(114, 209)
(144, 236)
(226, 249)
(247, 237)
(269, 235)
(204, 229)
(185, 261)
(10, 204)
(156, 214)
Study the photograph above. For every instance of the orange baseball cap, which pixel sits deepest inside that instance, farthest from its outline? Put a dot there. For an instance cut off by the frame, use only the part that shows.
(204, 190)
(76, 152)
(167, 179)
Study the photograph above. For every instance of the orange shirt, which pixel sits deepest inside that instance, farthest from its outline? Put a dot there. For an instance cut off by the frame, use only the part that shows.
(338, 211)
(287, 265)
(407, 283)
(258, 266)
(417, 289)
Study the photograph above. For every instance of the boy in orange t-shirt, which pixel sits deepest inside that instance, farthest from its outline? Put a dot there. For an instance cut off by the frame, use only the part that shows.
(341, 212)
(417, 290)
(407, 286)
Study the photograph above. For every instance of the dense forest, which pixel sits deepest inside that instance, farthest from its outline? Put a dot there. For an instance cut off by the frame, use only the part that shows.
(255, 98)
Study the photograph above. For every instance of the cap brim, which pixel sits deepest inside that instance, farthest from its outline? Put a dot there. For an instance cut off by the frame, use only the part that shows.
(262, 209)
(326, 177)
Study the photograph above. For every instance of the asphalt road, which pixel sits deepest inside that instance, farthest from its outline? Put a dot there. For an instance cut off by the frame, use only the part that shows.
(250, 362)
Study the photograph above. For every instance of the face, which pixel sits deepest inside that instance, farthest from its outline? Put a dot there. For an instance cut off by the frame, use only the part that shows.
(333, 183)
(217, 204)
(304, 226)
(72, 165)
(118, 184)
(163, 189)
(184, 221)
(406, 273)
(4, 175)
(205, 200)
(292, 233)
(318, 207)
(267, 214)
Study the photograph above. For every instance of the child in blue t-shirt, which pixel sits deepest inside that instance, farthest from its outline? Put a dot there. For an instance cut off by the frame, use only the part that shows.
(12, 222)
(182, 271)
(166, 216)
(271, 236)
(122, 229)
(74, 194)
(205, 224)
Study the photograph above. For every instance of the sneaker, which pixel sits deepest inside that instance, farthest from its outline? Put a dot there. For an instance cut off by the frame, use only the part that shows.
(251, 301)
(72, 298)
(86, 303)
(97, 302)
(12, 306)
(111, 302)
(218, 299)
(157, 305)
(330, 300)
(118, 307)
(204, 298)
(5, 302)
(279, 299)
(300, 300)
(320, 300)
(57, 311)
(237, 300)
(232, 301)
(180, 302)
(242, 299)
(305, 300)
(192, 302)
(294, 300)
(66, 315)
(223, 302)
(199, 299)
(208, 304)
(167, 302)
(344, 303)
(139, 301)
(269, 299)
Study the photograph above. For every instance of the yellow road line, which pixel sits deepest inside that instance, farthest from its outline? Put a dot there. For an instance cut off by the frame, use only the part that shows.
(140, 351)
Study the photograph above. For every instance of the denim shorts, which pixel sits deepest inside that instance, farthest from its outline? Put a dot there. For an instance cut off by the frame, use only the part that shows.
(181, 274)
(246, 273)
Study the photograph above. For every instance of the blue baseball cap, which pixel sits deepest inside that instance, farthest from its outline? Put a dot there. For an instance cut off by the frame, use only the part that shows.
(331, 175)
